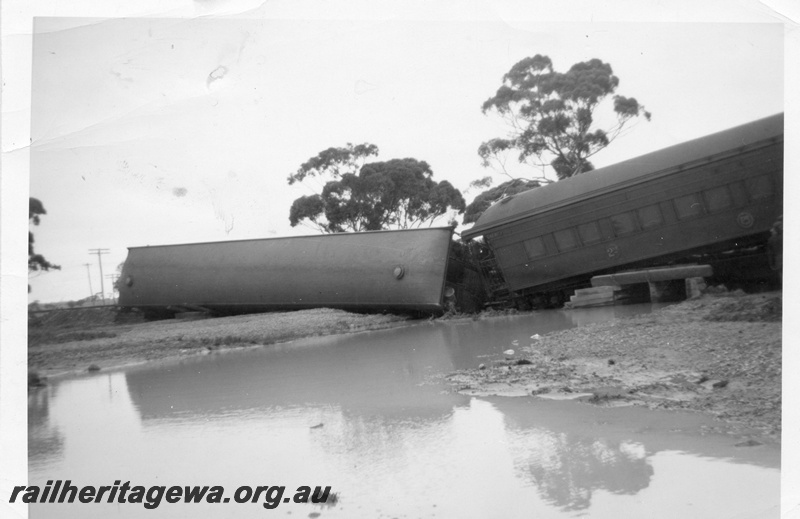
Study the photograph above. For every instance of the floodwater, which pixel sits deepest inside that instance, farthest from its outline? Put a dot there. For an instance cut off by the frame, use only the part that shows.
(364, 415)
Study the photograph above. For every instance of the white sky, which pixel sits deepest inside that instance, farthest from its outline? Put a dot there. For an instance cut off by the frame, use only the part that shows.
(111, 107)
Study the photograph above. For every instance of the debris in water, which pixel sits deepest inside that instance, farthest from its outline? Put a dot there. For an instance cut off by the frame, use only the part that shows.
(536, 336)
(318, 426)
(508, 352)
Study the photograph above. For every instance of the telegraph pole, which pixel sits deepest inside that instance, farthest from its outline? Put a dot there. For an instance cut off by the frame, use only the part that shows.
(89, 275)
(99, 253)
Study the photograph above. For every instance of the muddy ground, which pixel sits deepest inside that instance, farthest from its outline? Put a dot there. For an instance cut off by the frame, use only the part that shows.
(69, 341)
(719, 354)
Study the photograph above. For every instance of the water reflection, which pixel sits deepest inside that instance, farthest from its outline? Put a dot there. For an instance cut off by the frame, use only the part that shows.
(569, 466)
(45, 442)
(359, 413)
(364, 374)
(567, 470)
(579, 455)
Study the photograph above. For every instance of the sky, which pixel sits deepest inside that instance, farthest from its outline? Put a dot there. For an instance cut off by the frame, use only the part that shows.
(148, 131)
(175, 121)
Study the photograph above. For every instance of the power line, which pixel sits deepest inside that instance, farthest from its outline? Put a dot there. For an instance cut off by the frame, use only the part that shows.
(99, 253)
(89, 275)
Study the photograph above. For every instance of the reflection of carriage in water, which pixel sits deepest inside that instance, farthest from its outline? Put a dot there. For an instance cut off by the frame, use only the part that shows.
(712, 199)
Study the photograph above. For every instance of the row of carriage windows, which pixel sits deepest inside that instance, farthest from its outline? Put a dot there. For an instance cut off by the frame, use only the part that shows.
(645, 218)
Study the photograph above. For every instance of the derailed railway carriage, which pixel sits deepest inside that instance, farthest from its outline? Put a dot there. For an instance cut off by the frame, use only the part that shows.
(707, 199)
(707, 196)
(384, 270)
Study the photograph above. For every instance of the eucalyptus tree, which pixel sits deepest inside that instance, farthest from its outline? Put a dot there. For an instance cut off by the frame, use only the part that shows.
(361, 196)
(36, 262)
(553, 117)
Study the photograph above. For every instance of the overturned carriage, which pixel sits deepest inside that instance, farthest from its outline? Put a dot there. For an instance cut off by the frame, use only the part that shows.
(707, 198)
(401, 271)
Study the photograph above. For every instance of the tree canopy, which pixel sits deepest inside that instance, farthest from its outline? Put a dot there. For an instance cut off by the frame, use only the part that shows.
(394, 194)
(482, 202)
(552, 114)
(335, 161)
(36, 262)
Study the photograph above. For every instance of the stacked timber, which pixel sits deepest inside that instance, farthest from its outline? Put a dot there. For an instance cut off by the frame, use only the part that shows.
(595, 296)
(665, 284)
(639, 286)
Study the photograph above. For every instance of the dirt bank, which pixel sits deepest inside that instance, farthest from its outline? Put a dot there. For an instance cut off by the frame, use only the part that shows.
(86, 339)
(720, 354)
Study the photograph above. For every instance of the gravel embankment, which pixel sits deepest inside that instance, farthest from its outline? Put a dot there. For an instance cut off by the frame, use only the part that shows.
(720, 354)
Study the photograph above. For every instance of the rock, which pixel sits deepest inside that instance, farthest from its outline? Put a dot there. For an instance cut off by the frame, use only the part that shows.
(536, 336)
(611, 362)
(748, 443)
(318, 426)
(93, 367)
(720, 384)
(523, 361)
(482, 366)
(508, 352)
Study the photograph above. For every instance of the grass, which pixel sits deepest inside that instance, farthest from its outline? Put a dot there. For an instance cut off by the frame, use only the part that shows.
(36, 338)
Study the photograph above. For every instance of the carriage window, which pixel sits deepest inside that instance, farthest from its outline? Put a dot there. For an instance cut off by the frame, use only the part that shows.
(566, 240)
(759, 187)
(511, 255)
(623, 223)
(688, 206)
(590, 233)
(717, 199)
(535, 247)
(650, 216)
